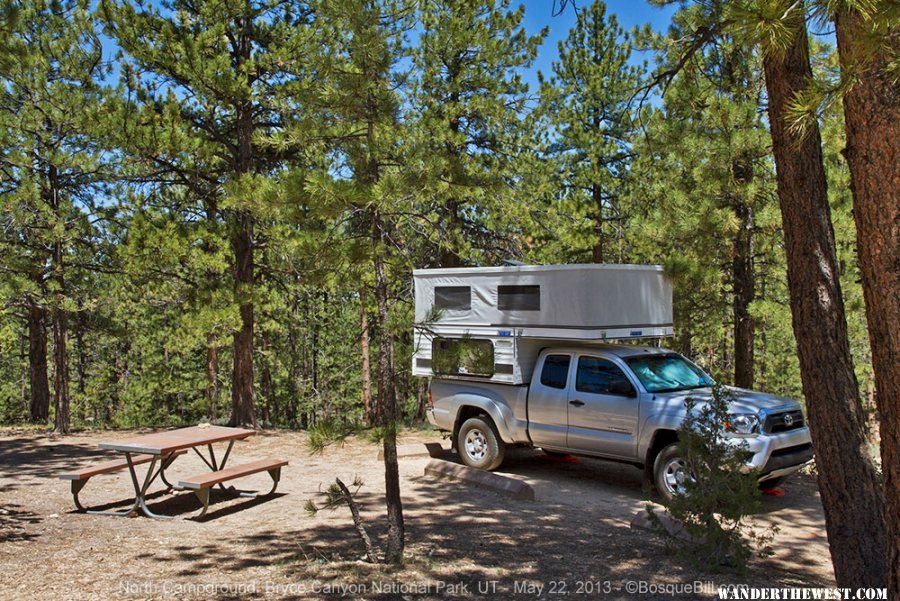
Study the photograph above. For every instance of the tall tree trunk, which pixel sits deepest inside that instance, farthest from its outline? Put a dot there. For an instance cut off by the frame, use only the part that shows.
(243, 410)
(386, 410)
(265, 379)
(81, 366)
(212, 376)
(61, 371)
(39, 407)
(452, 240)
(852, 501)
(597, 250)
(364, 350)
(872, 121)
(744, 292)
(62, 418)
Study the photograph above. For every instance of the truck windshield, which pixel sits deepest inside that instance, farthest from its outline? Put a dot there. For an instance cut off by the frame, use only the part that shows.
(668, 373)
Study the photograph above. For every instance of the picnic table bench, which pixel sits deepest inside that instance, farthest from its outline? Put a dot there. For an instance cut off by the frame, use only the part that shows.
(164, 448)
(80, 477)
(201, 483)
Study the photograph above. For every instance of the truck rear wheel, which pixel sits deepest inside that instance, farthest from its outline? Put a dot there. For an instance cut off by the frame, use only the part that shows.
(479, 445)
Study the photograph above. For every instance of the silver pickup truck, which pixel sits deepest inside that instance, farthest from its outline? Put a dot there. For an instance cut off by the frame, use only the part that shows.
(618, 402)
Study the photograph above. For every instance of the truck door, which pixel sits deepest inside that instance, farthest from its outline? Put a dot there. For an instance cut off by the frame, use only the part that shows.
(547, 401)
(602, 409)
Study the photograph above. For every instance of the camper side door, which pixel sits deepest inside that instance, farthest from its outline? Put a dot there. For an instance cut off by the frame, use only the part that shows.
(603, 408)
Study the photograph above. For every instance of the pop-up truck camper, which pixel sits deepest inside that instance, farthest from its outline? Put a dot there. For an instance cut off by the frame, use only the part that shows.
(518, 310)
(525, 355)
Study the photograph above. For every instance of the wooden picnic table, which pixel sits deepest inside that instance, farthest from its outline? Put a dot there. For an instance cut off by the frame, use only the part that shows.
(160, 449)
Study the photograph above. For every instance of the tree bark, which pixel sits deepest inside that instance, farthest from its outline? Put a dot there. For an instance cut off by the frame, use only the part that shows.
(212, 376)
(449, 249)
(243, 410)
(364, 349)
(852, 501)
(386, 410)
(744, 292)
(597, 250)
(63, 418)
(266, 386)
(39, 407)
(872, 123)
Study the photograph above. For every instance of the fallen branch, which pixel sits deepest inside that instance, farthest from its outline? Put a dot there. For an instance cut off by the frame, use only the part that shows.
(371, 552)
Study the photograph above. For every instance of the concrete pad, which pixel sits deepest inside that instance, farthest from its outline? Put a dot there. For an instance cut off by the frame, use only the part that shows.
(503, 485)
(428, 449)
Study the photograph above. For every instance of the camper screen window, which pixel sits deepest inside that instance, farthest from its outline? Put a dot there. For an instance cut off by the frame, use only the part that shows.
(455, 357)
(519, 298)
(453, 298)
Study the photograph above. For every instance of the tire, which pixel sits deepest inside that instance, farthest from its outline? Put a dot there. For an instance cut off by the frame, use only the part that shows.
(771, 483)
(670, 472)
(479, 445)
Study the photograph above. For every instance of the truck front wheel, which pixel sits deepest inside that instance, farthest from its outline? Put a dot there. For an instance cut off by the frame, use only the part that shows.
(671, 472)
(479, 445)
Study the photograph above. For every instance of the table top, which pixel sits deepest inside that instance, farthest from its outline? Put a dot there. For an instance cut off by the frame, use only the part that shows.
(163, 443)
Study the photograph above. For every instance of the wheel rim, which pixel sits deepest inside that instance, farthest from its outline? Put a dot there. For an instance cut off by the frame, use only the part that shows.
(476, 445)
(676, 475)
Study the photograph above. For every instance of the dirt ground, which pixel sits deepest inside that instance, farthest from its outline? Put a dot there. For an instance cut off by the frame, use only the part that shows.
(574, 539)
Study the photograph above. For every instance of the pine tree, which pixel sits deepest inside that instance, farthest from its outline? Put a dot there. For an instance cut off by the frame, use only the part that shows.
(52, 169)
(706, 161)
(589, 104)
(846, 475)
(868, 43)
(228, 78)
(368, 44)
(847, 480)
(470, 102)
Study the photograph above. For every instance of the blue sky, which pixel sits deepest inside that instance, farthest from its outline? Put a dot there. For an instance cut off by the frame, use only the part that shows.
(629, 13)
(539, 14)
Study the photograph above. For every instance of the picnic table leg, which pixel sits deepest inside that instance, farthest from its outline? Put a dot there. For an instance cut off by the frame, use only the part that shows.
(203, 495)
(141, 490)
(136, 505)
(224, 460)
(164, 466)
(77, 485)
(211, 462)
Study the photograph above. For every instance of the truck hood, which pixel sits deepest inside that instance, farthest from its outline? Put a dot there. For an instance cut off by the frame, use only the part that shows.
(744, 401)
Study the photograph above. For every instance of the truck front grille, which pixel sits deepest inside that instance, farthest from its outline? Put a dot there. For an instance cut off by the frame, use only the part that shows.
(783, 422)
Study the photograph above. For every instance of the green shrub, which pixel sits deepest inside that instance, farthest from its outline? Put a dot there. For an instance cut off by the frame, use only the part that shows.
(718, 499)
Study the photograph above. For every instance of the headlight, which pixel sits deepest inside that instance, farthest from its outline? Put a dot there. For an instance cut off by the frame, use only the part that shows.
(742, 423)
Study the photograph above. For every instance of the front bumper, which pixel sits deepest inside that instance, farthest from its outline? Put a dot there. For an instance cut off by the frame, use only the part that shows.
(777, 455)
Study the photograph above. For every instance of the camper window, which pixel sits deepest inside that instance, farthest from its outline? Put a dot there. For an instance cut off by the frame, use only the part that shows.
(519, 298)
(462, 356)
(453, 298)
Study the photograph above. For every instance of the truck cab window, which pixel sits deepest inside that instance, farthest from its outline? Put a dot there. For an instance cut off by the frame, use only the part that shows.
(600, 376)
(555, 372)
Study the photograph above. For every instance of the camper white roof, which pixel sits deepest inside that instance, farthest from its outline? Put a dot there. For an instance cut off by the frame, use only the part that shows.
(586, 302)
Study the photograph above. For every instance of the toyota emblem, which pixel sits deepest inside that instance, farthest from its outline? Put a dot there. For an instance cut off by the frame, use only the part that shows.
(788, 420)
